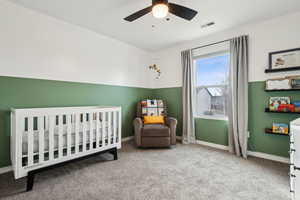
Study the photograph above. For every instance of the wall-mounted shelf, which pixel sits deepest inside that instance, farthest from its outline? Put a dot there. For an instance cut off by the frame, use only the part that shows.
(268, 110)
(282, 70)
(269, 131)
(282, 90)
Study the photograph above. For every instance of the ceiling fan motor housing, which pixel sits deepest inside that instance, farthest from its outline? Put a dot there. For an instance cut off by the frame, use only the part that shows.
(160, 9)
(154, 2)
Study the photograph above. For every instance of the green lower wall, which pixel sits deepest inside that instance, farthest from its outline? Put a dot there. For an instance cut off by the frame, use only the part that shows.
(25, 93)
(259, 120)
(215, 131)
(22, 93)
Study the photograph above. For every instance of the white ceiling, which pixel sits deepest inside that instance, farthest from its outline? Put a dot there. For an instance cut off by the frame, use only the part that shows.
(106, 17)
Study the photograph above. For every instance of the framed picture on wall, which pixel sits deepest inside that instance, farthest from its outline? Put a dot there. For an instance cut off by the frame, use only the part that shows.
(285, 60)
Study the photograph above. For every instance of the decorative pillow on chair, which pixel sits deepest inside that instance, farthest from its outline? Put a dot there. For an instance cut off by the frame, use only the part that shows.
(153, 107)
(154, 120)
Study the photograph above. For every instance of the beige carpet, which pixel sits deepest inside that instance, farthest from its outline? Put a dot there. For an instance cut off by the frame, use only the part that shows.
(187, 172)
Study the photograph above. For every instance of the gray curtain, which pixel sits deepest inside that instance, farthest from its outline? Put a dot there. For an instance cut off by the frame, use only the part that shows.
(188, 132)
(238, 96)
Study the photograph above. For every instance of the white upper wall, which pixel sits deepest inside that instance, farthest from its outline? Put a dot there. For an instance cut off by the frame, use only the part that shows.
(272, 35)
(34, 45)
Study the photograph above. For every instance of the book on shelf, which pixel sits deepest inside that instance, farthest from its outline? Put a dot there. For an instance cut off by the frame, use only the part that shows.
(280, 128)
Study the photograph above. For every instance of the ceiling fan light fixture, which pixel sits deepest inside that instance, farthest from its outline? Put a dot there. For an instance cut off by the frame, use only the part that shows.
(160, 10)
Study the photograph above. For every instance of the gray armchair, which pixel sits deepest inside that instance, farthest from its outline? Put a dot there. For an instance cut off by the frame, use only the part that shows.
(154, 135)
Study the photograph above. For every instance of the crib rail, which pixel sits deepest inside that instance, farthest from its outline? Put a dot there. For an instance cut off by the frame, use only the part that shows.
(45, 136)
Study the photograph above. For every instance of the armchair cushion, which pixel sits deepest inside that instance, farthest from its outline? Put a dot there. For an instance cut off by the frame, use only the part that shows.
(155, 130)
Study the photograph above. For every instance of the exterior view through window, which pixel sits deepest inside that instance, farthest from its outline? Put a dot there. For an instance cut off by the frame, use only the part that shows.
(211, 78)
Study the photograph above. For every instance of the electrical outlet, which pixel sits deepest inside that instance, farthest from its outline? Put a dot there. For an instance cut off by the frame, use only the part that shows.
(248, 134)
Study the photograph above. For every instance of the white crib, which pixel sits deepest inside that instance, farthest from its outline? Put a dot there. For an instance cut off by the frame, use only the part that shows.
(42, 137)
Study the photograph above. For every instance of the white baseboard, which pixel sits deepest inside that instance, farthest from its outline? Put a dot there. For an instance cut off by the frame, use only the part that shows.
(213, 145)
(5, 169)
(126, 139)
(209, 144)
(269, 157)
(250, 153)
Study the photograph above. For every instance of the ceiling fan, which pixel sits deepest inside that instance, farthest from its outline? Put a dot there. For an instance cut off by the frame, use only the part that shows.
(161, 8)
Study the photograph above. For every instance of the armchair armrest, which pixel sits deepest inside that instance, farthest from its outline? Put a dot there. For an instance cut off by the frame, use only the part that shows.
(172, 124)
(138, 125)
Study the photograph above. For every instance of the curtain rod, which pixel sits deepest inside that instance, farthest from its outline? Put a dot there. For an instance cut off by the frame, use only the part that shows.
(210, 44)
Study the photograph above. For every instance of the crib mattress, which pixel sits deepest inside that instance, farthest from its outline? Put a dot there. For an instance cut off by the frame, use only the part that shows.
(64, 137)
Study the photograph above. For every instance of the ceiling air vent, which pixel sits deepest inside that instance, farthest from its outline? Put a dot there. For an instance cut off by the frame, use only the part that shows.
(208, 24)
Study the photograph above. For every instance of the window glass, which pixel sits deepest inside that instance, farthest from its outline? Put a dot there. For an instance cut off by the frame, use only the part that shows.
(211, 78)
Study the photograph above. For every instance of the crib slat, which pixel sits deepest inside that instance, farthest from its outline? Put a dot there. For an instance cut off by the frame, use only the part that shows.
(60, 136)
(77, 123)
(84, 132)
(19, 140)
(119, 127)
(97, 130)
(114, 127)
(46, 122)
(69, 136)
(91, 120)
(103, 128)
(41, 132)
(30, 140)
(109, 128)
(51, 136)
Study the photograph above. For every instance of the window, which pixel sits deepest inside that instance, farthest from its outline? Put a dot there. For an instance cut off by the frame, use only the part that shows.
(211, 78)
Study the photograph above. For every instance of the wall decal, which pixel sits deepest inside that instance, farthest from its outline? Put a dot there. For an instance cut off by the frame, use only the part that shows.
(155, 68)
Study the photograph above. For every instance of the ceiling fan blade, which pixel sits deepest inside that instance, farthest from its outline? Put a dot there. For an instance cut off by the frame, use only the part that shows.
(138, 14)
(181, 11)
